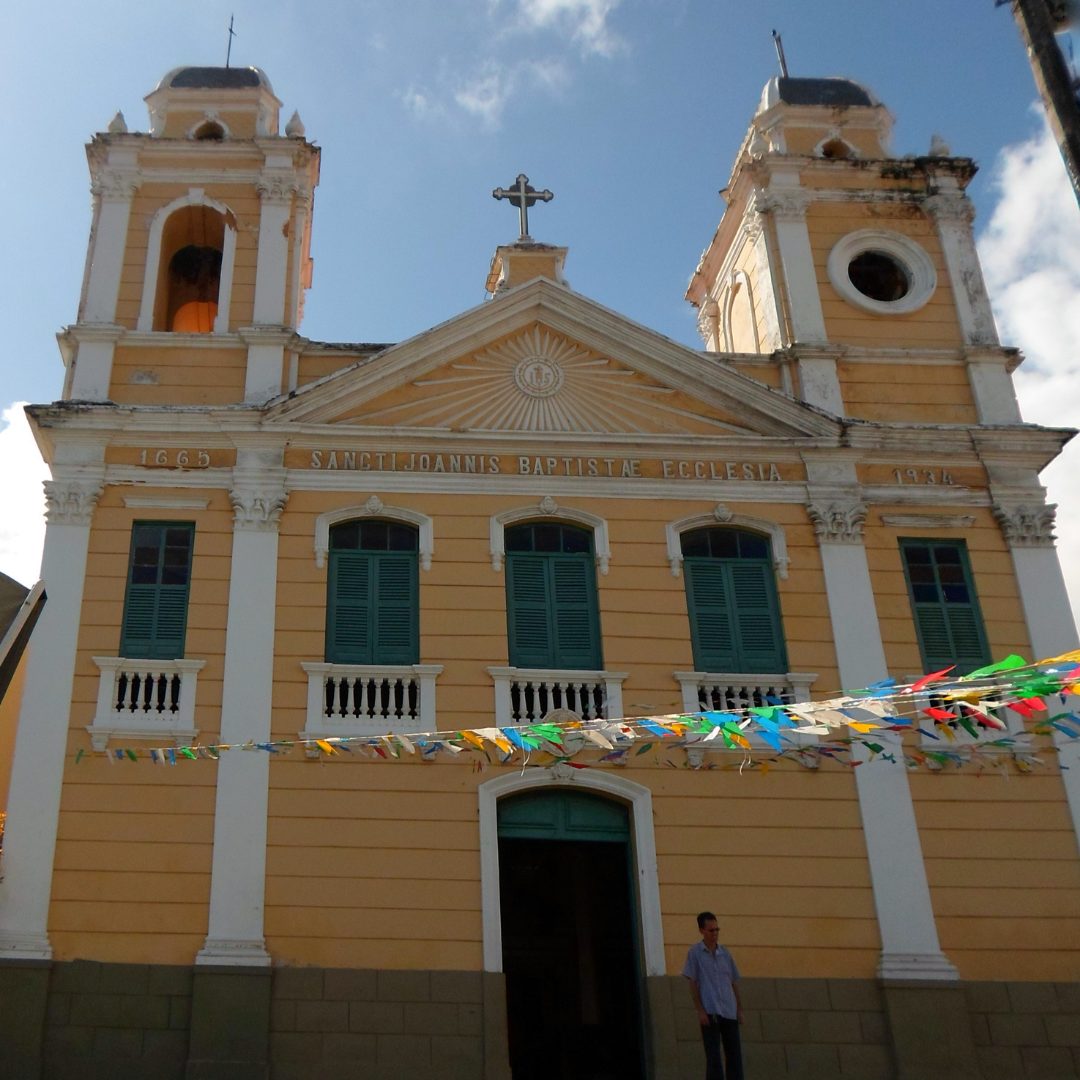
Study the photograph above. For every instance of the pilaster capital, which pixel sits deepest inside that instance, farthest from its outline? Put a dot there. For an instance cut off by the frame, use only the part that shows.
(277, 187)
(1027, 525)
(72, 501)
(785, 204)
(837, 522)
(952, 209)
(115, 185)
(257, 506)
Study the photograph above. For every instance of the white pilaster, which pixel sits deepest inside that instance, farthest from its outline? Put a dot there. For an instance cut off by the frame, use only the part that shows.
(37, 772)
(787, 201)
(276, 189)
(92, 363)
(1029, 532)
(953, 214)
(238, 882)
(992, 387)
(266, 352)
(909, 941)
(115, 187)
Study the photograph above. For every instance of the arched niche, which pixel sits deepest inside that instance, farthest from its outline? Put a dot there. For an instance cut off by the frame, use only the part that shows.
(191, 221)
(740, 322)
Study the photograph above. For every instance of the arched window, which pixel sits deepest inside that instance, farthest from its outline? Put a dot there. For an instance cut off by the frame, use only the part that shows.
(372, 602)
(735, 623)
(189, 270)
(552, 614)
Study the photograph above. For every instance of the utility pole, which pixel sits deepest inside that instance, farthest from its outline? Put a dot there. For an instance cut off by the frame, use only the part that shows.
(1038, 20)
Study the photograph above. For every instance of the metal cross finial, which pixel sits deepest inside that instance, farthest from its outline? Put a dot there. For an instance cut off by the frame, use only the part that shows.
(522, 195)
(232, 34)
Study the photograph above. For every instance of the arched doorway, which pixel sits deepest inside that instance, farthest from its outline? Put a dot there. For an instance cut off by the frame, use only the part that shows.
(570, 942)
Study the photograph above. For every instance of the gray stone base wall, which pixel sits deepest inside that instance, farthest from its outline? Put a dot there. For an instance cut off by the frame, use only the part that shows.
(380, 1024)
(797, 1028)
(85, 1021)
(117, 1020)
(1025, 1029)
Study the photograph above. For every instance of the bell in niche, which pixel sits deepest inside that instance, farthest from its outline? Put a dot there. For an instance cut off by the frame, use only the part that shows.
(194, 279)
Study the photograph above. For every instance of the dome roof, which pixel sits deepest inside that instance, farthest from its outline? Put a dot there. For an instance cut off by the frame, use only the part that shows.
(215, 78)
(831, 93)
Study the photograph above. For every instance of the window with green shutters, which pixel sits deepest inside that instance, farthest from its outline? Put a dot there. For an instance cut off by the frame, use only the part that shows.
(156, 600)
(735, 623)
(553, 620)
(944, 605)
(373, 594)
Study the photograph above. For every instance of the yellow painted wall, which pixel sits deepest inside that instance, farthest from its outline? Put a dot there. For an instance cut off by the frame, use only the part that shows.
(378, 865)
(1004, 871)
(9, 725)
(195, 375)
(896, 392)
(132, 872)
(934, 326)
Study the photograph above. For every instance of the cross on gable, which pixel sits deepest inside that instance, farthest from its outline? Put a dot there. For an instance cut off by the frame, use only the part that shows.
(522, 195)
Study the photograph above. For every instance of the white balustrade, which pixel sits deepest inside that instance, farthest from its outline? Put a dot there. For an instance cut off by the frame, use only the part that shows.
(704, 691)
(370, 699)
(527, 695)
(145, 699)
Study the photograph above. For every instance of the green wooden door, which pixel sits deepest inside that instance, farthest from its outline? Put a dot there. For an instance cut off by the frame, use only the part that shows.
(731, 598)
(373, 594)
(563, 815)
(944, 605)
(553, 618)
(154, 624)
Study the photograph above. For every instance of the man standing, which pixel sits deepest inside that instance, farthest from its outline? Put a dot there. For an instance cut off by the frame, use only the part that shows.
(714, 986)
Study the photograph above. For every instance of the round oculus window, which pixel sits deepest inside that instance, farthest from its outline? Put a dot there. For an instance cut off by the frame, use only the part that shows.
(883, 272)
(879, 276)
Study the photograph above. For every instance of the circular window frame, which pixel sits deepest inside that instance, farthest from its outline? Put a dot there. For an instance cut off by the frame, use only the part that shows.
(910, 255)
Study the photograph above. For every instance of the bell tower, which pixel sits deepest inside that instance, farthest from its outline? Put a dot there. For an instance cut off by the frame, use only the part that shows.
(199, 250)
(839, 261)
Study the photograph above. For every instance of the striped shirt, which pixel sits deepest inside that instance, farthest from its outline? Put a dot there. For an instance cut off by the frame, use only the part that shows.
(714, 974)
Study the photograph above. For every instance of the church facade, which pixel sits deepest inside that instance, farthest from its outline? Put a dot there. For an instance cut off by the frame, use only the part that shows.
(536, 509)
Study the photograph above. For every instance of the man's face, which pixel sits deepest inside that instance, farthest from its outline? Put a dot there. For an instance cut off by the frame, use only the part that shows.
(710, 932)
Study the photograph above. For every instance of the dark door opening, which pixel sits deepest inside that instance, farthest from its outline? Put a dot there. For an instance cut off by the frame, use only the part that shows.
(569, 931)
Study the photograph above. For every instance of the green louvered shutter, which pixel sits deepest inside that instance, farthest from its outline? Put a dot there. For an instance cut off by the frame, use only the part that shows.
(154, 625)
(944, 605)
(397, 608)
(348, 608)
(528, 611)
(711, 631)
(576, 625)
(735, 623)
(757, 617)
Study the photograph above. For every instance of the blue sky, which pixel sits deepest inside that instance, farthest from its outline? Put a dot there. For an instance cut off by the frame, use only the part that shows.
(631, 112)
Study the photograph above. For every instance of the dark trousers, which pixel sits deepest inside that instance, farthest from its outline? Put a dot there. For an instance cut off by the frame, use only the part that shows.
(721, 1030)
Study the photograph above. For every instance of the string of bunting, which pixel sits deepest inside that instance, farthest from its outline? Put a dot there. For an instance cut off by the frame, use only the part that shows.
(963, 719)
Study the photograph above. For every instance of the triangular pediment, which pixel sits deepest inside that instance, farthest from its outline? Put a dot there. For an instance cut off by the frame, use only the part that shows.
(542, 359)
(536, 380)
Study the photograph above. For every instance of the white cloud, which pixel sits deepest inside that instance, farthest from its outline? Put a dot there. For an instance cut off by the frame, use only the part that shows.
(1031, 258)
(583, 21)
(421, 103)
(485, 95)
(22, 526)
